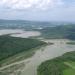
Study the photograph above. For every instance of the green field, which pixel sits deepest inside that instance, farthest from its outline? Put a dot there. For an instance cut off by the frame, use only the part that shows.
(69, 72)
(71, 68)
(63, 65)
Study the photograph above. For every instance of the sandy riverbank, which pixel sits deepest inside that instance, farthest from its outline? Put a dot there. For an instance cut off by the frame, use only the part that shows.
(19, 33)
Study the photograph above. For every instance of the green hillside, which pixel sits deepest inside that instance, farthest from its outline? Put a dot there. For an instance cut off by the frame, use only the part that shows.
(10, 46)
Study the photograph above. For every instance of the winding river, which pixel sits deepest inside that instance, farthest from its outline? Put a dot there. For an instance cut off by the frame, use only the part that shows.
(46, 53)
(29, 66)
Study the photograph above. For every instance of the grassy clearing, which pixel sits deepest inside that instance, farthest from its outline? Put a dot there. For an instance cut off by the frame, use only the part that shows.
(69, 72)
(71, 68)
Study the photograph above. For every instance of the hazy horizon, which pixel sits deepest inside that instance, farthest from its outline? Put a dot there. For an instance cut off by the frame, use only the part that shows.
(38, 20)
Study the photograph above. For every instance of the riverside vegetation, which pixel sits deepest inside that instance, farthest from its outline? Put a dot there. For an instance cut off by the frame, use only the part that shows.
(63, 65)
(10, 46)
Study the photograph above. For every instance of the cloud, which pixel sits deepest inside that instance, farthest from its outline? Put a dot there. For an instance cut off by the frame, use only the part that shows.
(38, 9)
(27, 4)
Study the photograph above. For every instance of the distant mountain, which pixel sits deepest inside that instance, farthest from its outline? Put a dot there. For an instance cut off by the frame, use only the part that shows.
(27, 25)
(23, 24)
(26, 22)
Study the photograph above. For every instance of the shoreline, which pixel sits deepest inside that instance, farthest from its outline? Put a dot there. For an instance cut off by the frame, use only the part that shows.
(30, 53)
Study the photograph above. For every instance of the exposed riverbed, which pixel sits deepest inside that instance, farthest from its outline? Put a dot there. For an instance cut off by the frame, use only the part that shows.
(51, 51)
(29, 66)
(47, 53)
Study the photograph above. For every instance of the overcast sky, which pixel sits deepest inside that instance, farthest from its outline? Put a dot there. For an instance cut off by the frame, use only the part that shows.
(43, 10)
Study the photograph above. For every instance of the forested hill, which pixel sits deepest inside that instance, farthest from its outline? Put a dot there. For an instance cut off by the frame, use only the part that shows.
(10, 46)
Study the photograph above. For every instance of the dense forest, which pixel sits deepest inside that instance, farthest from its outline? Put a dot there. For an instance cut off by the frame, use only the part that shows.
(63, 65)
(10, 46)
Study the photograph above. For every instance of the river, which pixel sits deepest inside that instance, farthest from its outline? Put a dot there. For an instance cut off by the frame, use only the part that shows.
(29, 66)
(46, 53)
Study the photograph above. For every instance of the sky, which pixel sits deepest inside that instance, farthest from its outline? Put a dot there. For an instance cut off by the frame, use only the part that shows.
(39, 10)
